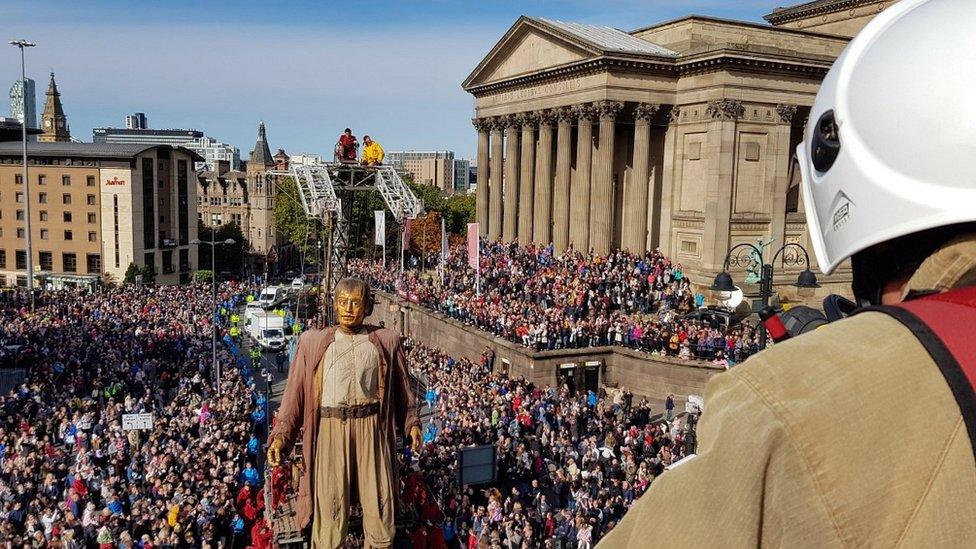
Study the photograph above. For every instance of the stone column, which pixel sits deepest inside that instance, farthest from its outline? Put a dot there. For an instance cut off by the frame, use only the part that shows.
(579, 201)
(778, 158)
(542, 217)
(511, 209)
(564, 170)
(720, 144)
(601, 191)
(527, 178)
(635, 219)
(481, 198)
(495, 192)
(669, 179)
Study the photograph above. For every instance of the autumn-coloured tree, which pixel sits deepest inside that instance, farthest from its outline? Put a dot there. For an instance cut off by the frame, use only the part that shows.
(425, 233)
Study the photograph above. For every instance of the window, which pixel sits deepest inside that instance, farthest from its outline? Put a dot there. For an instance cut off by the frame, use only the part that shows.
(66, 198)
(92, 236)
(94, 263)
(167, 261)
(20, 215)
(42, 198)
(150, 259)
(69, 262)
(3, 259)
(68, 235)
(66, 180)
(46, 261)
(91, 217)
(42, 179)
(67, 217)
(19, 197)
(184, 259)
(91, 200)
(19, 179)
(90, 181)
(20, 232)
(148, 205)
(45, 234)
(21, 259)
(43, 215)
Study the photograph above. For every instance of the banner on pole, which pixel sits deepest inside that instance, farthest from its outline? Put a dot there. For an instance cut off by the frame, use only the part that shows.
(443, 240)
(379, 238)
(473, 245)
(406, 234)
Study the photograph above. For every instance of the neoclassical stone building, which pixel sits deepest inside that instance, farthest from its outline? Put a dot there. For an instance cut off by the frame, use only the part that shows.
(679, 135)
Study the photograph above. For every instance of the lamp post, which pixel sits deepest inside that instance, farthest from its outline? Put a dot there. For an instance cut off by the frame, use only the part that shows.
(213, 293)
(806, 279)
(23, 134)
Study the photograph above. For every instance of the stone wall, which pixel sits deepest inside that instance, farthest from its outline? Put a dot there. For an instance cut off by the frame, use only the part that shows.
(642, 374)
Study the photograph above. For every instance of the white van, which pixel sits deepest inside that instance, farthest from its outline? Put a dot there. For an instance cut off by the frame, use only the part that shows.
(271, 296)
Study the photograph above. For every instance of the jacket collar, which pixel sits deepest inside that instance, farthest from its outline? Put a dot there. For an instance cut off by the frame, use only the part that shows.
(951, 266)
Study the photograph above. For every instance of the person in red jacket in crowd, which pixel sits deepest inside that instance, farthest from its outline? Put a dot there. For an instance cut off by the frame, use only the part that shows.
(472, 539)
(418, 539)
(261, 535)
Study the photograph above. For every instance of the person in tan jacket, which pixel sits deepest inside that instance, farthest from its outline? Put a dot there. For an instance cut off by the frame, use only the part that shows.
(856, 435)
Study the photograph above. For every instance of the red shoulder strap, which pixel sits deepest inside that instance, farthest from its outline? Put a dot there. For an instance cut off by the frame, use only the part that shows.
(945, 324)
(952, 317)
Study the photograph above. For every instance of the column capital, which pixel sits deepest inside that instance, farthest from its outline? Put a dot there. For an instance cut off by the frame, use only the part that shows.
(674, 115)
(585, 111)
(565, 114)
(546, 117)
(725, 109)
(511, 120)
(481, 124)
(496, 123)
(608, 109)
(527, 119)
(786, 112)
(646, 111)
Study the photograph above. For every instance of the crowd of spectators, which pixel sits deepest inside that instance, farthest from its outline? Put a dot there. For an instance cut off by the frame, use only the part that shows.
(71, 477)
(545, 301)
(569, 466)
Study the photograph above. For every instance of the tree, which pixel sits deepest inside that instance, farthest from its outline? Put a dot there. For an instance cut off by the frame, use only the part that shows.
(230, 257)
(291, 220)
(148, 273)
(457, 210)
(425, 232)
(460, 211)
(130, 273)
(203, 275)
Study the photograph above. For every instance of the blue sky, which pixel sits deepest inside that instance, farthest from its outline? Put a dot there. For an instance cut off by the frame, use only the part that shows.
(307, 68)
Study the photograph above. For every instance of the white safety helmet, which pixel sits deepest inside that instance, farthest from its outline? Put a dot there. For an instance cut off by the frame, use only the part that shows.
(890, 146)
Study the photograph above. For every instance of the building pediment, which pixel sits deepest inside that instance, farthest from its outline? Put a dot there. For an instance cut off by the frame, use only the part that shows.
(527, 48)
(536, 45)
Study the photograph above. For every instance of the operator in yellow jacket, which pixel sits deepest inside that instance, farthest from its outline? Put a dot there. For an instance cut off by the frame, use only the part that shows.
(372, 152)
(857, 434)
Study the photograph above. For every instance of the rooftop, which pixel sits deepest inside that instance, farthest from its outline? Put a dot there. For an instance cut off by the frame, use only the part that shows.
(85, 150)
(782, 15)
(609, 39)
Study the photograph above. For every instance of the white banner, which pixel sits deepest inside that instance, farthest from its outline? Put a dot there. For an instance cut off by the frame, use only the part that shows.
(132, 422)
(379, 238)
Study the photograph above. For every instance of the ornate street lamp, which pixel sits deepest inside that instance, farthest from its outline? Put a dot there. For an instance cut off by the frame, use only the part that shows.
(806, 279)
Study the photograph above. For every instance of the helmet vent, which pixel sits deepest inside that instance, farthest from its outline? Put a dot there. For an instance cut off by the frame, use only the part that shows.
(826, 144)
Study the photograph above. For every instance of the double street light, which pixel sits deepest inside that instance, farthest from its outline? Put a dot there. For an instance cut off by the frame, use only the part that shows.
(213, 292)
(806, 279)
(23, 133)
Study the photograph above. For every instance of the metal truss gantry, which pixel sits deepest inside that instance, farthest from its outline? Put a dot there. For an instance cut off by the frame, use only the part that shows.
(320, 187)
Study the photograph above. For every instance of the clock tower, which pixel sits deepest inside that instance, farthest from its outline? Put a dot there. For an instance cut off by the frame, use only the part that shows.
(54, 124)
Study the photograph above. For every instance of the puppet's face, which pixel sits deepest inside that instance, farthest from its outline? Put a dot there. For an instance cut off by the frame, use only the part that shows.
(350, 309)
